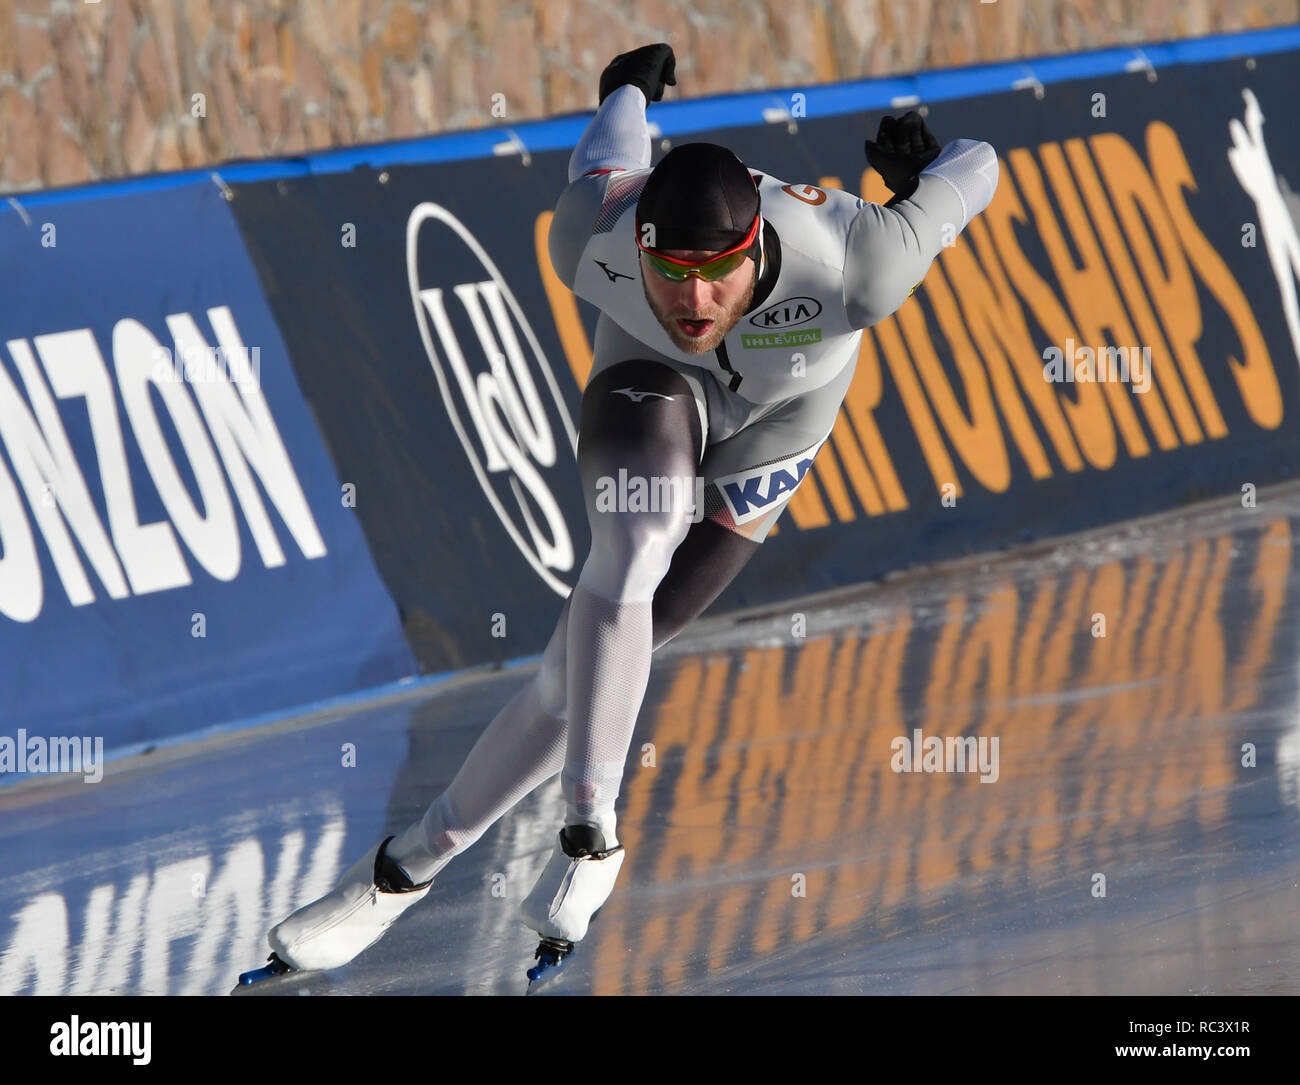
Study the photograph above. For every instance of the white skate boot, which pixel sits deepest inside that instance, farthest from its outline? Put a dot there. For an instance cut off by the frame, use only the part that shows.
(349, 919)
(577, 880)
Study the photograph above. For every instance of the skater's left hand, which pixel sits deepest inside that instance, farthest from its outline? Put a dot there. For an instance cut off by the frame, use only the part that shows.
(903, 147)
(652, 67)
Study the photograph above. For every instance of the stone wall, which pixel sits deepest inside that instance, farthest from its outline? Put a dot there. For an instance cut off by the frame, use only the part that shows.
(93, 89)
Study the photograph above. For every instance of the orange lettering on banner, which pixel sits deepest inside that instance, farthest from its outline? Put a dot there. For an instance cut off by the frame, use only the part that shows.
(1163, 373)
(1090, 292)
(998, 327)
(927, 433)
(1165, 273)
(564, 305)
(1255, 377)
(859, 405)
(997, 321)
(855, 466)
(806, 507)
(872, 187)
(826, 470)
(1086, 411)
(978, 441)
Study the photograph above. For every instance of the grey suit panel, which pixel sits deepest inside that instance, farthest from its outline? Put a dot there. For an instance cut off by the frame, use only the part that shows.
(578, 208)
(891, 248)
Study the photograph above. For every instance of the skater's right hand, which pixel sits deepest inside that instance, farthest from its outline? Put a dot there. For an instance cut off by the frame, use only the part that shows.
(652, 67)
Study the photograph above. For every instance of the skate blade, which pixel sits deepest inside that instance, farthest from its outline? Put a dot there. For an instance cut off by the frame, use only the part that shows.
(274, 967)
(276, 977)
(548, 970)
(290, 983)
(544, 978)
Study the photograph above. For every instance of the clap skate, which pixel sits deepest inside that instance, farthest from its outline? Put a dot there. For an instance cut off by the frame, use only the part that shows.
(348, 920)
(577, 880)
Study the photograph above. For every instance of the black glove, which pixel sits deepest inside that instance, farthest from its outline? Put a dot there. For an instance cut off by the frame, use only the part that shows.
(652, 67)
(903, 147)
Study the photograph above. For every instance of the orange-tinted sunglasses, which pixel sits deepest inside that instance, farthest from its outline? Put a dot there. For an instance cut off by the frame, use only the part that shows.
(710, 270)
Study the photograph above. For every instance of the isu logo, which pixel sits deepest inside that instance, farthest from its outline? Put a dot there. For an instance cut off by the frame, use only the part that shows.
(471, 326)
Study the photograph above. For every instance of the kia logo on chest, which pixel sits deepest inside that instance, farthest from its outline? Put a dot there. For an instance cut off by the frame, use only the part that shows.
(788, 313)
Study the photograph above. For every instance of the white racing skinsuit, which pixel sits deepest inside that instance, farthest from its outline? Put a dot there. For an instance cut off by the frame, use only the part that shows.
(833, 265)
(748, 418)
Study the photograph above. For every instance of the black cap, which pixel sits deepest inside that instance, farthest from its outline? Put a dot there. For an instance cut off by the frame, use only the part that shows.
(699, 197)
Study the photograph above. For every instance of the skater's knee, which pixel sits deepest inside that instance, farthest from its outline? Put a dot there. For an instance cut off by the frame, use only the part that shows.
(632, 549)
(642, 494)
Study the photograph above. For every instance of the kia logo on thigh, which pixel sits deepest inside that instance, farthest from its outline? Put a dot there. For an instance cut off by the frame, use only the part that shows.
(520, 440)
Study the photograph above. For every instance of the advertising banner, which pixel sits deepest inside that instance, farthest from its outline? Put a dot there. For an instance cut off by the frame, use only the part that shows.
(177, 550)
(1118, 334)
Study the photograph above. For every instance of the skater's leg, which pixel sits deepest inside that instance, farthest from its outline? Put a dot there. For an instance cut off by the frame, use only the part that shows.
(524, 745)
(498, 773)
(645, 558)
(643, 438)
(706, 562)
(521, 748)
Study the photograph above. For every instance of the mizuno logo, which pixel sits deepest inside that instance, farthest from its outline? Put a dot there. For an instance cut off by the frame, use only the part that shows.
(635, 396)
(614, 276)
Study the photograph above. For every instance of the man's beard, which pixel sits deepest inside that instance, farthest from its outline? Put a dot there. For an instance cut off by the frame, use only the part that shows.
(722, 322)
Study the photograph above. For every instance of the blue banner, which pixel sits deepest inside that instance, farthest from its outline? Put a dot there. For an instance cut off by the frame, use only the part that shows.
(178, 551)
